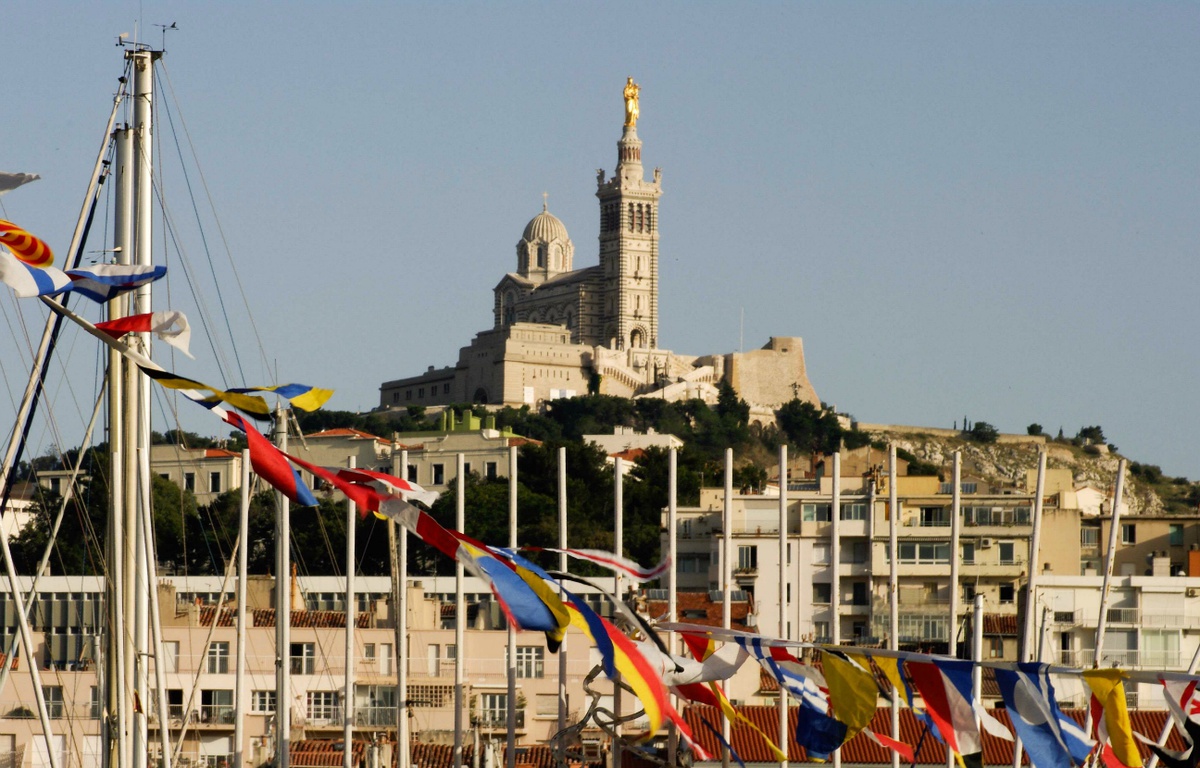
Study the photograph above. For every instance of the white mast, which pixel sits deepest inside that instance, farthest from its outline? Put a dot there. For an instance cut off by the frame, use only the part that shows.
(727, 578)
(510, 753)
(562, 566)
(783, 585)
(283, 612)
(618, 548)
(116, 660)
(351, 613)
(239, 697)
(460, 622)
(138, 393)
(894, 587)
(398, 543)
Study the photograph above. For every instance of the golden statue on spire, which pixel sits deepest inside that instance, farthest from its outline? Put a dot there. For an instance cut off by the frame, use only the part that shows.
(631, 103)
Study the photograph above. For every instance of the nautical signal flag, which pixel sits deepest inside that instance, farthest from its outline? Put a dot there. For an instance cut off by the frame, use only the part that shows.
(1108, 692)
(302, 396)
(172, 327)
(270, 464)
(29, 281)
(102, 282)
(946, 690)
(253, 405)
(1051, 739)
(27, 247)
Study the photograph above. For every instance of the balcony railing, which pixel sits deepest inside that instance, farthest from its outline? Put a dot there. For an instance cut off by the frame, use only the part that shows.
(214, 714)
(1127, 658)
(376, 716)
(495, 719)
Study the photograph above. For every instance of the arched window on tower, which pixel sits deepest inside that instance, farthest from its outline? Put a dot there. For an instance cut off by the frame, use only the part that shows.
(649, 218)
(541, 257)
(641, 218)
(631, 217)
(508, 311)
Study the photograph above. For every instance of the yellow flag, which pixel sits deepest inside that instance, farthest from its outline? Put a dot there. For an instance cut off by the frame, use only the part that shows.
(853, 694)
(1109, 690)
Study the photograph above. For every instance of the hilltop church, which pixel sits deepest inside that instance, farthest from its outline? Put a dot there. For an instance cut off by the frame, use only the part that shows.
(556, 328)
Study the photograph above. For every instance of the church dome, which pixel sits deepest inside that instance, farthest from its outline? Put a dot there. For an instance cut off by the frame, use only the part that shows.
(545, 228)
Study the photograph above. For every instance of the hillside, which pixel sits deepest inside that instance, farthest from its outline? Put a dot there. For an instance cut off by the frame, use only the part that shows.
(1005, 462)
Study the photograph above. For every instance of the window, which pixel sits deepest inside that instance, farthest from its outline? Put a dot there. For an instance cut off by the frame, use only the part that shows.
(821, 631)
(1008, 555)
(493, 710)
(214, 482)
(216, 706)
(1007, 593)
(466, 469)
(856, 552)
(996, 647)
(860, 594)
(856, 511)
(433, 659)
(547, 705)
(489, 470)
(815, 513)
(54, 700)
(1175, 538)
(412, 473)
(789, 592)
(968, 592)
(1128, 533)
(170, 657)
(925, 553)
(189, 481)
(934, 517)
(439, 474)
(747, 558)
(446, 388)
(530, 660)
(821, 553)
(218, 658)
(304, 657)
(968, 553)
(324, 705)
(386, 657)
(262, 702)
(1089, 536)
(789, 553)
(821, 593)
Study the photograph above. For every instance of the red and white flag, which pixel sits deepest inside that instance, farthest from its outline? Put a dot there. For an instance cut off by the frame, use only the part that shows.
(172, 327)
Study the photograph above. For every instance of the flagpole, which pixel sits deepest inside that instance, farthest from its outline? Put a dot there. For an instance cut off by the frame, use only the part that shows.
(618, 548)
(460, 621)
(835, 561)
(1035, 539)
(1114, 528)
(510, 756)
(894, 587)
(783, 603)
(398, 544)
(351, 604)
(562, 566)
(727, 579)
(239, 696)
(283, 611)
(672, 583)
(977, 649)
(955, 558)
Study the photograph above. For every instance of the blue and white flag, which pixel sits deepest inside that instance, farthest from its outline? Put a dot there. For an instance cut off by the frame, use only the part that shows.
(29, 281)
(1052, 739)
(104, 281)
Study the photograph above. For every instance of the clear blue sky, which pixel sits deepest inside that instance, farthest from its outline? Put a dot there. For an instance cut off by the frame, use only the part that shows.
(987, 210)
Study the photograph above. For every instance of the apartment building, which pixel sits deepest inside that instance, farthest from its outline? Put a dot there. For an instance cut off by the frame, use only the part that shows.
(199, 661)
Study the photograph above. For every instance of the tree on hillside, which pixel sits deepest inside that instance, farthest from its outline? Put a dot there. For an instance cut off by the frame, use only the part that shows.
(982, 432)
(1034, 429)
(808, 428)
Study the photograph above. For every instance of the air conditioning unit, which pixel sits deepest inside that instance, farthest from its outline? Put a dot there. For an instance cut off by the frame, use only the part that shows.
(986, 543)
(1193, 592)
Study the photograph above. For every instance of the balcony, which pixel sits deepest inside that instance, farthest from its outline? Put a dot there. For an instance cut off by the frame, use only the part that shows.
(216, 714)
(1125, 658)
(492, 719)
(379, 717)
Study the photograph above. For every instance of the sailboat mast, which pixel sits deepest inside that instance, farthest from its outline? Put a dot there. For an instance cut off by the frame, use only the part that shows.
(138, 395)
(116, 697)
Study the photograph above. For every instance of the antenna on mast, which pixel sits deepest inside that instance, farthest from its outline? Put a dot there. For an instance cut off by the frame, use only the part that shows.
(164, 28)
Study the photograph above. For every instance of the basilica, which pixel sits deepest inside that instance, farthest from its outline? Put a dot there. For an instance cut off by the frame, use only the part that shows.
(559, 331)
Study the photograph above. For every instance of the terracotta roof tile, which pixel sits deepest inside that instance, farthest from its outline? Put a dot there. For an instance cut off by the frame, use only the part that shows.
(1000, 624)
(265, 617)
(219, 453)
(325, 752)
(347, 432)
(860, 749)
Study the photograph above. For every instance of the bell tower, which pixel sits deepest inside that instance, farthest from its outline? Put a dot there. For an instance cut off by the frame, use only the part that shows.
(629, 241)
